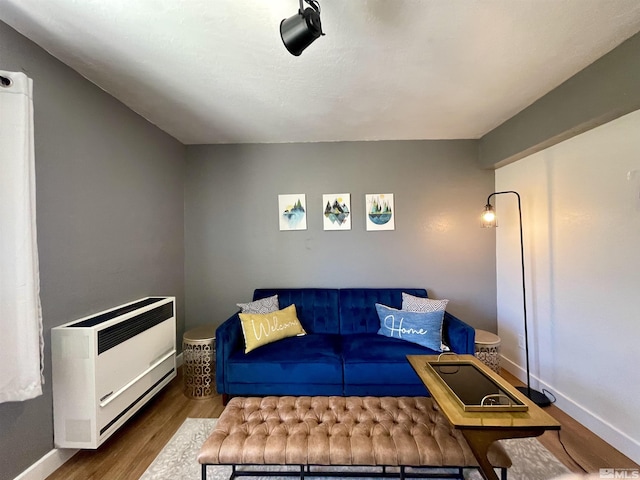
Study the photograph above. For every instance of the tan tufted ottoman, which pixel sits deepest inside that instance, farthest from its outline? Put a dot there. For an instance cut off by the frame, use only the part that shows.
(340, 431)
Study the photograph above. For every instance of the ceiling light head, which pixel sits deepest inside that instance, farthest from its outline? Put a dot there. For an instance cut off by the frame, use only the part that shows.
(301, 30)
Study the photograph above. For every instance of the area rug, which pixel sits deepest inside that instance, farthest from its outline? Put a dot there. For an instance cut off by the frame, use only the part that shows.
(177, 460)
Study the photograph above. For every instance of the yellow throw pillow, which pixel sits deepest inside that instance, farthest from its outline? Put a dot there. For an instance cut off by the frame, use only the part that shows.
(260, 329)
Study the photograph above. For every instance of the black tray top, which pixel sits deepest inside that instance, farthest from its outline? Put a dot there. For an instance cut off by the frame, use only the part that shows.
(475, 390)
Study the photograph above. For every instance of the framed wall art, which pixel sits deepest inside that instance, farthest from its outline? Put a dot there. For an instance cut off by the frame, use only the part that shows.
(292, 211)
(380, 211)
(336, 211)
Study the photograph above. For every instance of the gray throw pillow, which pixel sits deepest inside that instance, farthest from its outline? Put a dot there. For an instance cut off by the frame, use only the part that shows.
(262, 306)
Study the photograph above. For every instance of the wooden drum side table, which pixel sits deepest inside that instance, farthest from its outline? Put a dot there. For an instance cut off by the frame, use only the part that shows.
(488, 349)
(198, 355)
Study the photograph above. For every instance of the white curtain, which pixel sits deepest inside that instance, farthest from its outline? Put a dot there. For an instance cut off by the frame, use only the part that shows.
(21, 345)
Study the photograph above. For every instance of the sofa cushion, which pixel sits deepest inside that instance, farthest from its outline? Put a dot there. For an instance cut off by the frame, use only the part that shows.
(373, 359)
(317, 307)
(358, 306)
(260, 329)
(423, 328)
(311, 359)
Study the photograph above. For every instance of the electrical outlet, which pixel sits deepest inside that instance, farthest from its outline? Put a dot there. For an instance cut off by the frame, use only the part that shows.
(521, 342)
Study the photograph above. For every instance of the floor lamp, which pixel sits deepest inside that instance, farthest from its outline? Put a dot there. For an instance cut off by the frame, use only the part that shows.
(489, 220)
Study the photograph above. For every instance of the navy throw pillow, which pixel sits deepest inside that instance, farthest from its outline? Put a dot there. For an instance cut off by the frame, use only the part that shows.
(423, 328)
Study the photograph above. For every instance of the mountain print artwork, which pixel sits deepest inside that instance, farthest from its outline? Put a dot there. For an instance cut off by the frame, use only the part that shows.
(293, 214)
(337, 211)
(380, 211)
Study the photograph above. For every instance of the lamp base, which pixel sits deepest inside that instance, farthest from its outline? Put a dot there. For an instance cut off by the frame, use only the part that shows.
(535, 396)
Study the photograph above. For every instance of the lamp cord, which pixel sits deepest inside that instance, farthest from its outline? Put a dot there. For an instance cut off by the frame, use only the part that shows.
(569, 455)
(573, 459)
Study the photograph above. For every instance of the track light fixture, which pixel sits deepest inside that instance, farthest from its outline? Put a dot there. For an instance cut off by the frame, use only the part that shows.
(300, 30)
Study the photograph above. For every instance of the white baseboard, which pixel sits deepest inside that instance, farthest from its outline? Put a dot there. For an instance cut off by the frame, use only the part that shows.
(58, 456)
(47, 464)
(609, 433)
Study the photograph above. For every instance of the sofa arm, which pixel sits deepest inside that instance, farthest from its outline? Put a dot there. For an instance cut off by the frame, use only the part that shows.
(229, 339)
(459, 335)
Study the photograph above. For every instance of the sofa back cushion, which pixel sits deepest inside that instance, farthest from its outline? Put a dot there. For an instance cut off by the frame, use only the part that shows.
(358, 306)
(317, 308)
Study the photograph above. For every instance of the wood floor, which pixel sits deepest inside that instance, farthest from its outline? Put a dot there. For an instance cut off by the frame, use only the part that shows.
(585, 451)
(128, 453)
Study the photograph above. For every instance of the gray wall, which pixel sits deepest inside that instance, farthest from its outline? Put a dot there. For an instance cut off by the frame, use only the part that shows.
(605, 90)
(233, 243)
(110, 218)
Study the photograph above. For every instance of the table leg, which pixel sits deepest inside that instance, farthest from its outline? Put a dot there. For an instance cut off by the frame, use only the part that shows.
(480, 440)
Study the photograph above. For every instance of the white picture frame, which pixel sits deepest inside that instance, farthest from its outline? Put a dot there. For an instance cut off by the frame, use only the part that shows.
(336, 211)
(379, 211)
(292, 211)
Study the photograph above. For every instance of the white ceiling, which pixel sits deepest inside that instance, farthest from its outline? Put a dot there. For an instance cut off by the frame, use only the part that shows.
(216, 71)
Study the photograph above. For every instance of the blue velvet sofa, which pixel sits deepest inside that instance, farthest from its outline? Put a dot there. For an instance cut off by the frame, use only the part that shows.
(342, 354)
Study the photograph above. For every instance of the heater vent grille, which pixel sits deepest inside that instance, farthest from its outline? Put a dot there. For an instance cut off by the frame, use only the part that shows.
(117, 312)
(121, 332)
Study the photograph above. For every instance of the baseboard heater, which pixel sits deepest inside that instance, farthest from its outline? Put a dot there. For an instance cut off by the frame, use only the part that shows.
(107, 366)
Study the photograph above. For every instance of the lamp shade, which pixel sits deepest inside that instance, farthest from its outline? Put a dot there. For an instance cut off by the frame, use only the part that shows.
(489, 217)
(300, 30)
